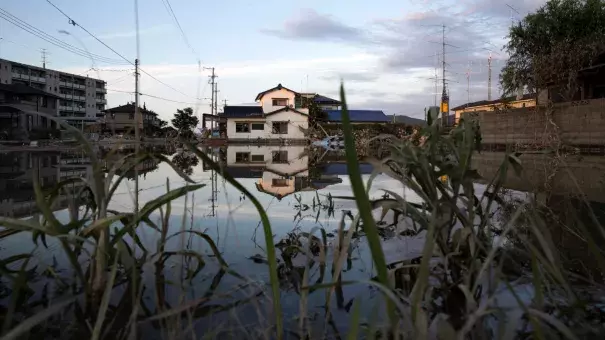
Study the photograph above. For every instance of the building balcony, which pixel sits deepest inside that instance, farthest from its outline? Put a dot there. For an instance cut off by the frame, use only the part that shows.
(66, 96)
(79, 98)
(81, 87)
(38, 79)
(73, 115)
(101, 89)
(101, 101)
(20, 76)
(65, 84)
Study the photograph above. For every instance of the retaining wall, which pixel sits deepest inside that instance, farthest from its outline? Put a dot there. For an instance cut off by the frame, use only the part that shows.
(580, 123)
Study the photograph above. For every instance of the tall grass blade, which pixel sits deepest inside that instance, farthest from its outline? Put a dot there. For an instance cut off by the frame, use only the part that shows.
(39, 317)
(271, 258)
(96, 333)
(363, 202)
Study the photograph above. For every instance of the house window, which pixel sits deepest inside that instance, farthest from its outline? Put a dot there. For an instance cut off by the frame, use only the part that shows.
(258, 126)
(242, 157)
(279, 182)
(257, 158)
(242, 127)
(279, 157)
(280, 128)
(280, 101)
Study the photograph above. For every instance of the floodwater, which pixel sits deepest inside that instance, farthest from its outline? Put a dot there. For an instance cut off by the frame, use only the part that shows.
(301, 190)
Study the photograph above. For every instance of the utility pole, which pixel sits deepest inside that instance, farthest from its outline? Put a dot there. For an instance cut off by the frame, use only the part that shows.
(436, 77)
(44, 54)
(212, 99)
(224, 102)
(444, 96)
(216, 91)
(468, 84)
(489, 77)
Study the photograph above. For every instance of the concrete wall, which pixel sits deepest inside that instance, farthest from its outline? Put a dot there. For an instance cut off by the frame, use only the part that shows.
(516, 104)
(575, 174)
(578, 123)
(293, 118)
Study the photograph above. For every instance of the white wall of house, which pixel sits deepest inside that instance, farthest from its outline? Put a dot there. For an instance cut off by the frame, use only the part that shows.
(294, 158)
(267, 100)
(293, 119)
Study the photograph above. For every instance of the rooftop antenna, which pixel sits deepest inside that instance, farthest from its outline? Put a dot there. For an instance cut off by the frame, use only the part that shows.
(44, 54)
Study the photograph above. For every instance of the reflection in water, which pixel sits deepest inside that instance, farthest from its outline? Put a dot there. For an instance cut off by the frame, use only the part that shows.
(17, 170)
(301, 191)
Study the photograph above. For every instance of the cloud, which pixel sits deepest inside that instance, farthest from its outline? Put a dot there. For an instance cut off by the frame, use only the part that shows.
(130, 34)
(347, 76)
(311, 25)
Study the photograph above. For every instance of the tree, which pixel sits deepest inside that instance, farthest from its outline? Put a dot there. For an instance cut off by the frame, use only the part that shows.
(184, 121)
(551, 46)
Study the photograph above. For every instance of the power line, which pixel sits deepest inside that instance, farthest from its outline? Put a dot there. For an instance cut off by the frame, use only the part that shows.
(168, 100)
(52, 40)
(171, 12)
(73, 23)
(153, 96)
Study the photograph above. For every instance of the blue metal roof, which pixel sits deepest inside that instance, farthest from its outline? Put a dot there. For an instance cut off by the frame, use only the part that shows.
(359, 116)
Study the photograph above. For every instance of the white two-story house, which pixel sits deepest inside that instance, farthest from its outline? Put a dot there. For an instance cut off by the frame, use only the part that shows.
(280, 116)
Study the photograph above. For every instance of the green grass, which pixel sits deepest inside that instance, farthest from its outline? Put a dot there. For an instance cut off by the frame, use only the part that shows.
(450, 289)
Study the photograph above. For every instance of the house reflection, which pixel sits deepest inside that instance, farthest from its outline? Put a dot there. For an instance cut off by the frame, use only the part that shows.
(281, 170)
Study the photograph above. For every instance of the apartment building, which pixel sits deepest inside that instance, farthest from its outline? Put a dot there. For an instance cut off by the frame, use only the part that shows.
(82, 99)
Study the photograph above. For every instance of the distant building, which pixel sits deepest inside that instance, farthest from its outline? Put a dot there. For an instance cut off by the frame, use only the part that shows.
(280, 116)
(528, 100)
(19, 108)
(82, 99)
(283, 114)
(401, 119)
(120, 119)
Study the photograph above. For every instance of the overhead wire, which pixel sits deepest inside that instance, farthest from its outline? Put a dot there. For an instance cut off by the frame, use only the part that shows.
(178, 24)
(74, 23)
(153, 96)
(170, 11)
(54, 41)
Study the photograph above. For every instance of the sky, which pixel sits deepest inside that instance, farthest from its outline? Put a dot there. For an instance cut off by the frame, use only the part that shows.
(383, 50)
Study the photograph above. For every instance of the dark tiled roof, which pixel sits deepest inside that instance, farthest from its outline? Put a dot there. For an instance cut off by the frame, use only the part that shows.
(325, 100)
(358, 116)
(24, 89)
(342, 169)
(278, 87)
(242, 111)
(129, 108)
(490, 102)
